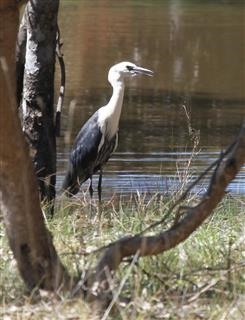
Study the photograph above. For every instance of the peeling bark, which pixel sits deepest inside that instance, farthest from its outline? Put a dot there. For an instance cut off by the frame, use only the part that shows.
(38, 94)
(29, 239)
(62, 85)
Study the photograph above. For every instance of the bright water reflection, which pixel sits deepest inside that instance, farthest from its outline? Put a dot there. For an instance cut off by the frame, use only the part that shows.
(196, 49)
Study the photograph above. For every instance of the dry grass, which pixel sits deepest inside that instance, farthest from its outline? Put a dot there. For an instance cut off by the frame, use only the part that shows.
(203, 278)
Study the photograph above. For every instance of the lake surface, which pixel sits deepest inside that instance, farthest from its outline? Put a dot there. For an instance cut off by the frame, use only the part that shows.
(196, 49)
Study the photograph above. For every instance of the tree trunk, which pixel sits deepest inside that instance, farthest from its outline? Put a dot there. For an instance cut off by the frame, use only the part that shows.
(29, 240)
(38, 94)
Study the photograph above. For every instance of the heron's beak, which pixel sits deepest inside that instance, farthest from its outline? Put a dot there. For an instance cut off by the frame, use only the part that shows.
(140, 70)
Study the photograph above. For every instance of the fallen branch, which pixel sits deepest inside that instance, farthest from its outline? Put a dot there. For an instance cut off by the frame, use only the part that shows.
(226, 170)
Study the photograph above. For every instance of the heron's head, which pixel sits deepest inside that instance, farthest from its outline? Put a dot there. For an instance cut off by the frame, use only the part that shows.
(123, 70)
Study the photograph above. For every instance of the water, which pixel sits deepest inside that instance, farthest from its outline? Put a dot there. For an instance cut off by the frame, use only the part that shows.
(196, 49)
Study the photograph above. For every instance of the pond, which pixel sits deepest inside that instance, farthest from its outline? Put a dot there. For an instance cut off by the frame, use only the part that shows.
(196, 49)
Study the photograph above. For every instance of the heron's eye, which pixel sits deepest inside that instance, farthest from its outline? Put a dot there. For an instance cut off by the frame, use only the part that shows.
(130, 68)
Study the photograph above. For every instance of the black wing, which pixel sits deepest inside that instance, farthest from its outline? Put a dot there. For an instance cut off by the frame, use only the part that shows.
(105, 151)
(83, 156)
(85, 149)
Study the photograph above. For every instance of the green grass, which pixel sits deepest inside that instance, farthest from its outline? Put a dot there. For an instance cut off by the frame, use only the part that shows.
(202, 278)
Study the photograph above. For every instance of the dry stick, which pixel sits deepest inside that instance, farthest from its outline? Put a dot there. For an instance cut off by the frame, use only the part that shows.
(62, 83)
(153, 245)
(212, 283)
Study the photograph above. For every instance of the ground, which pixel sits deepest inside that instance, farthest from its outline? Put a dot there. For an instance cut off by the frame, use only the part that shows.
(202, 278)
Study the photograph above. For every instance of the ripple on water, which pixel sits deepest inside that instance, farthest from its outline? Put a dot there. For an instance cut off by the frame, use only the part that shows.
(164, 172)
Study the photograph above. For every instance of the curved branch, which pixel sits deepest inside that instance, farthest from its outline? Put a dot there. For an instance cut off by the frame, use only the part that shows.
(225, 172)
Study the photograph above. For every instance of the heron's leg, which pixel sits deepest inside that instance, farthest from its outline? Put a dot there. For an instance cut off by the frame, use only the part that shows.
(91, 190)
(99, 185)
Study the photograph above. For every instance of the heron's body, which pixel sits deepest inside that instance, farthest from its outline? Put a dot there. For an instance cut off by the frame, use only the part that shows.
(98, 137)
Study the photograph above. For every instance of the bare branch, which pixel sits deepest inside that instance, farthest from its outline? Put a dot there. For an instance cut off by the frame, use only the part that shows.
(226, 170)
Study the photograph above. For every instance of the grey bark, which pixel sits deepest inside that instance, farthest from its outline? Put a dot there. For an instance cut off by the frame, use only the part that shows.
(38, 93)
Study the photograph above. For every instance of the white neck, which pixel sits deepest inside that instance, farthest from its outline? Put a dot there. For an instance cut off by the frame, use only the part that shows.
(112, 111)
(116, 101)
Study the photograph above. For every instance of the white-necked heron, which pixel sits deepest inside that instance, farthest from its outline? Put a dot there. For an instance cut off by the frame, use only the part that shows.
(98, 137)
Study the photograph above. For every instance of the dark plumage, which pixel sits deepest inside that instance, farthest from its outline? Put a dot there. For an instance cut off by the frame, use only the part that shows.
(85, 159)
(97, 139)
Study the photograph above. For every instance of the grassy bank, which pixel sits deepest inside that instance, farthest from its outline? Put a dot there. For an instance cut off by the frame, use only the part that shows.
(202, 278)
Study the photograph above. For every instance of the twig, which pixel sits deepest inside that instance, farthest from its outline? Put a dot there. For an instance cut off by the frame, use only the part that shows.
(204, 289)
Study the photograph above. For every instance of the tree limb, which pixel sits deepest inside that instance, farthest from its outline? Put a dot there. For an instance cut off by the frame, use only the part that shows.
(225, 172)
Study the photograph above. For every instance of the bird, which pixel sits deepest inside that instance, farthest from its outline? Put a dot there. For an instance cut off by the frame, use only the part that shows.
(98, 137)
